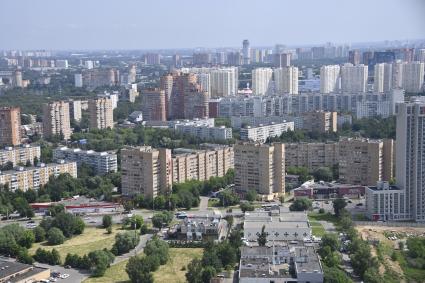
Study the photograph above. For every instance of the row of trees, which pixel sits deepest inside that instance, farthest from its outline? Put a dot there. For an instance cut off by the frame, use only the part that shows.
(216, 257)
(96, 261)
(140, 268)
(185, 195)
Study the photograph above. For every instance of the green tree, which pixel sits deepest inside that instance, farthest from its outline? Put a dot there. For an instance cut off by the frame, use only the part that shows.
(124, 242)
(162, 219)
(246, 206)
(39, 234)
(338, 205)
(27, 239)
(194, 271)
(330, 240)
(106, 221)
(55, 236)
(323, 174)
(159, 248)
(262, 238)
(251, 195)
(139, 270)
(100, 260)
(335, 275)
(24, 257)
(301, 204)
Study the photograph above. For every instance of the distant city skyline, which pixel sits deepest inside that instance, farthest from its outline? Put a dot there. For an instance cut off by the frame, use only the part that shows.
(162, 24)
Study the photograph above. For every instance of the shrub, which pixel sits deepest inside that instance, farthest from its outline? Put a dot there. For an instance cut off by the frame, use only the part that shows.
(55, 236)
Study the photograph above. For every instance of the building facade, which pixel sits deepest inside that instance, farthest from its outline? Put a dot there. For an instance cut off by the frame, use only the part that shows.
(19, 155)
(354, 78)
(261, 132)
(329, 78)
(320, 121)
(100, 162)
(286, 80)
(56, 120)
(10, 126)
(151, 172)
(261, 168)
(33, 178)
(101, 113)
(154, 105)
(262, 79)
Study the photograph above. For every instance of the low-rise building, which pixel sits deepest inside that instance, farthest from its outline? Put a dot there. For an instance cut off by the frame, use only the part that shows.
(26, 178)
(101, 162)
(326, 190)
(205, 133)
(287, 226)
(19, 155)
(79, 205)
(201, 229)
(385, 202)
(261, 132)
(16, 272)
(284, 263)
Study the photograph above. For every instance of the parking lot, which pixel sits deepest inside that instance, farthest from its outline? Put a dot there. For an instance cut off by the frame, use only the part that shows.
(74, 275)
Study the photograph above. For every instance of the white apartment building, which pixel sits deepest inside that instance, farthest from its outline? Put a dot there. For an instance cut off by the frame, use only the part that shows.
(101, 162)
(26, 178)
(262, 79)
(78, 80)
(261, 132)
(205, 133)
(413, 77)
(56, 119)
(17, 155)
(224, 82)
(286, 80)
(383, 77)
(329, 78)
(405, 201)
(353, 78)
(101, 113)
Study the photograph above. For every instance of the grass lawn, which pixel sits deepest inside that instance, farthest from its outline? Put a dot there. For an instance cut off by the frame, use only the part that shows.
(314, 216)
(115, 273)
(91, 239)
(170, 272)
(213, 202)
(317, 229)
(179, 258)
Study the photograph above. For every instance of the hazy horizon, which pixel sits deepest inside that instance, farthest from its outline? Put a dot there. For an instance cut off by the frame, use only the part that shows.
(131, 25)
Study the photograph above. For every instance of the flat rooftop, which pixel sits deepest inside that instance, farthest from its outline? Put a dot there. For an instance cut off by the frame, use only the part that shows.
(8, 268)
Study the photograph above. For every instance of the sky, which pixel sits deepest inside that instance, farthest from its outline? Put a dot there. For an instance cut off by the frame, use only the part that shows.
(168, 24)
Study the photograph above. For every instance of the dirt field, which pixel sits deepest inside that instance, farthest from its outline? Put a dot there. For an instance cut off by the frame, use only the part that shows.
(381, 234)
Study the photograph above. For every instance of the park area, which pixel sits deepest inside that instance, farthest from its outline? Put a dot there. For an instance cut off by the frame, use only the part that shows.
(91, 239)
(173, 271)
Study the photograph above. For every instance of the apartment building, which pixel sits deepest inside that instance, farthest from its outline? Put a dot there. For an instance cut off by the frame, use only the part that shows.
(33, 178)
(153, 105)
(19, 155)
(10, 126)
(146, 171)
(205, 132)
(56, 120)
(260, 167)
(311, 155)
(262, 132)
(211, 161)
(360, 161)
(100, 162)
(151, 172)
(101, 113)
(320, 121)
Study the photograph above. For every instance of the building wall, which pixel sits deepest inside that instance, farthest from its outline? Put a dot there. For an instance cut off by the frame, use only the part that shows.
(101, 113)
(10, 126)
(154, 105)
(260, 167)
(17, 155)
(56, 119)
